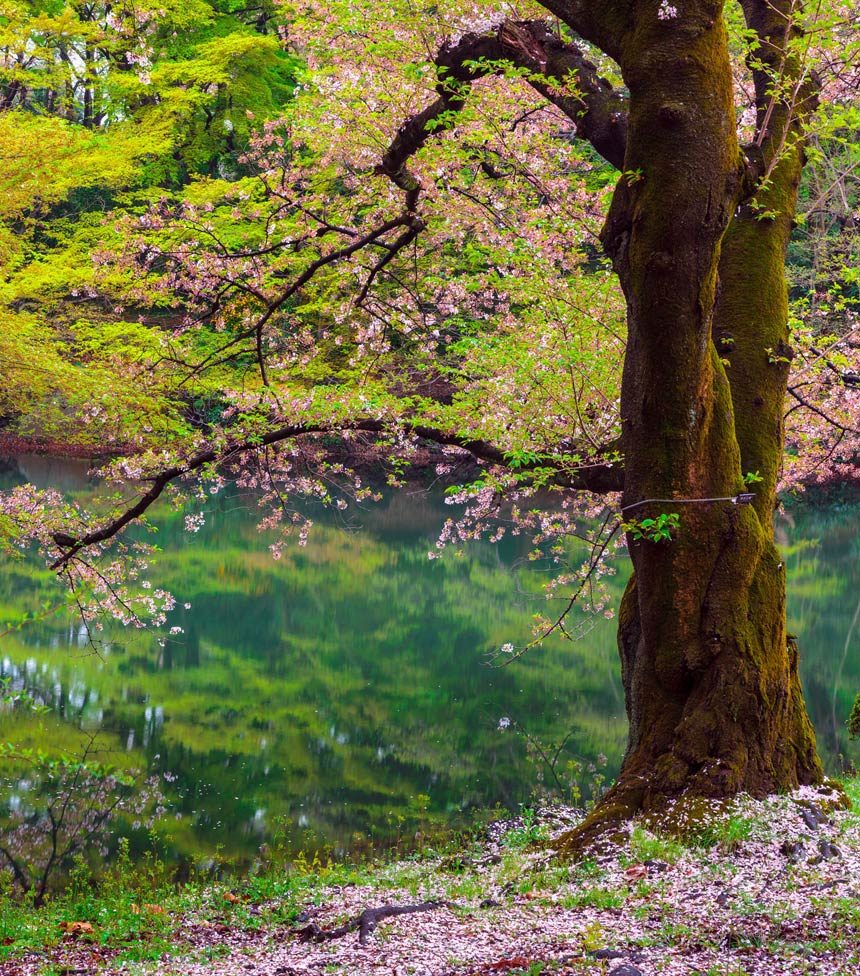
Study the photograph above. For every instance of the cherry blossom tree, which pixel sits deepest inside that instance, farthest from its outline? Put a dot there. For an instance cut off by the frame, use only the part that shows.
(550, 238)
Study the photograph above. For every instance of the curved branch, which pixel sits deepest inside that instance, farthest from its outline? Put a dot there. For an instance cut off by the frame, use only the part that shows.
(600, 478)
(802, 402)
(598, 111)
(556, 69)
(374, 238)
(604, 23)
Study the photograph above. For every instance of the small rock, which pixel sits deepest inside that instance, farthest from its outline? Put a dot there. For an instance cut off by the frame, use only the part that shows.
(828, 850)
(791, 850)
(633, 954)
(655, 865)
(625, 970)
(810, 819)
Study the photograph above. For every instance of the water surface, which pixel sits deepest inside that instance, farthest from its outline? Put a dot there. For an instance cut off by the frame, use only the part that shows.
(344, 690)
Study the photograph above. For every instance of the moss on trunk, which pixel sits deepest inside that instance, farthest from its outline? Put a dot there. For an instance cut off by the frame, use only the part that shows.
(710, 675)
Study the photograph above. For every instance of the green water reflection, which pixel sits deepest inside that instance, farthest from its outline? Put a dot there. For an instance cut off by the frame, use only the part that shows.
(334, 689)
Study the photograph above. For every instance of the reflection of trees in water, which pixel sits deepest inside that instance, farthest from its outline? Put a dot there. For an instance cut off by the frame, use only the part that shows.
(183, 653)
(331, 687)
(822, 550)
(71, 700)
(64, 474)
(850, 637)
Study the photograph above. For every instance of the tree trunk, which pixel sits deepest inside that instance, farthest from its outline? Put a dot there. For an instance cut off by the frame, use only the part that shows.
(710, 675)
(87, 118)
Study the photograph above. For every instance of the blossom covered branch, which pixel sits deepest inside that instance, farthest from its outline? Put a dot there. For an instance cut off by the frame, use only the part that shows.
(595, 477)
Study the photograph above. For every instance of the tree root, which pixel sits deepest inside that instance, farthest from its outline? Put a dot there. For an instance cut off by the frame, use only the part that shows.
(681, 816)
(603, 829)
(366, 922)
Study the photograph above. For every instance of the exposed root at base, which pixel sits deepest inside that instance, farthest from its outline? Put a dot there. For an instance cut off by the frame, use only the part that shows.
(682, 816)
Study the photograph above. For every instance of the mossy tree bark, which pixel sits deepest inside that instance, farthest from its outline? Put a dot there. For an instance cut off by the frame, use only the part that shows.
(710, 674)
(697, 232)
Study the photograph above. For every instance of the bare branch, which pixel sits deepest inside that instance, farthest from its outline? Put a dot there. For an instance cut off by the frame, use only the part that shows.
(803, 402)
(404, 240)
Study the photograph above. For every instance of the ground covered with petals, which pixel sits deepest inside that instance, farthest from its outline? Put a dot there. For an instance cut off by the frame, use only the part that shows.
(763, 887)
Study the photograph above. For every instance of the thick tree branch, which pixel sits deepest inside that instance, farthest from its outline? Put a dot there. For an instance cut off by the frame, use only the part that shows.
(598, 477)
(558, 70)
(409, 139)
(786, 87)
(598, 111)
(604, 23)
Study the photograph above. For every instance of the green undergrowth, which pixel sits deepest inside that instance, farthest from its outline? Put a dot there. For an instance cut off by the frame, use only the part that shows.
(138, 913)
(138, 910)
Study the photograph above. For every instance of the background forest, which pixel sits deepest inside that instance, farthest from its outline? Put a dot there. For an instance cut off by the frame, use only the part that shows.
(140, 147)
(106, 110)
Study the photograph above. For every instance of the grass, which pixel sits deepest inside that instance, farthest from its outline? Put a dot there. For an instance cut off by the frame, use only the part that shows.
(596, 897)
(724, 832)
(138, 914)
(646, 846)
(529, 832)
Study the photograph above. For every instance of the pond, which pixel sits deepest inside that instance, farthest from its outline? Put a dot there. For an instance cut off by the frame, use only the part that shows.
(343, 695)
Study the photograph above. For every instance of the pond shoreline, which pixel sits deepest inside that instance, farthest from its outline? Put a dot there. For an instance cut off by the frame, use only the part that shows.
(14, 445)
(360, 453)
(365, 459)
(759, 887)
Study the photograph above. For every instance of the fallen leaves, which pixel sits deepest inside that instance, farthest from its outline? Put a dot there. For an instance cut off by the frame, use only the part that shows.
(144, 909)
(565, 925)
(77, 928)
(636, 872)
